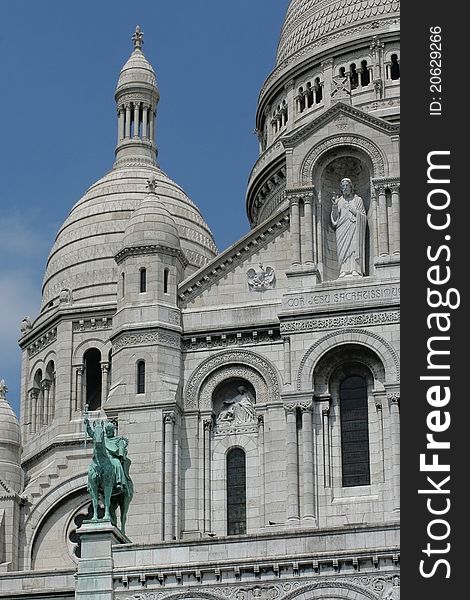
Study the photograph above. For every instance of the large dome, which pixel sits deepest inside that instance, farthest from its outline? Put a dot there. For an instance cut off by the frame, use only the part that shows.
(82, 258)
(310, 20)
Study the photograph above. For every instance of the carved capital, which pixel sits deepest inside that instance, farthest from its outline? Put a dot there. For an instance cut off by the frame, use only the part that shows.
(169, 417)
(394, 398)
(291, 407)
(46, 384)
(105, 366)
(327, 64)
(34, 393)
(207, 423)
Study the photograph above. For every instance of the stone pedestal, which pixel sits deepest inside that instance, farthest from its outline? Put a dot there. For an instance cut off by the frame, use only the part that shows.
(95, 569)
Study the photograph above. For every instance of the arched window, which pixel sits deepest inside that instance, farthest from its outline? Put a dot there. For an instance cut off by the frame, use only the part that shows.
(143, 280)
(236, 492)
(123, 284)
(342, 72)
(318, 91)
(50, 391)
(166, 274)
(354, 431)
(365, 73)
(394, 67)
(353, 76)
(92, 363)
(141, 377)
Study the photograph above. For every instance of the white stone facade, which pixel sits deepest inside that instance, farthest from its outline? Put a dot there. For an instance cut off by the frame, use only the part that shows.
(269, 313)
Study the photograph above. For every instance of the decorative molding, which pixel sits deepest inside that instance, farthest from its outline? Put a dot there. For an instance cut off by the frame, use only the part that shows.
(355, 333)
(231, 339)
(146, 339)
(151, 249)
(234, 360)
(42, 342)
(356, 141)
(92, 324)
(229, 372)
(355, 320)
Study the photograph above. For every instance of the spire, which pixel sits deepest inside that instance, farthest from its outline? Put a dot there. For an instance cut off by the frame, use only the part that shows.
(136, 97)
(138, 38)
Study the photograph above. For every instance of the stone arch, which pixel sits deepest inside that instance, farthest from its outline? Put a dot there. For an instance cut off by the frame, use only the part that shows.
(103, 346)
(369, 339)
(45, 506)
(231, 363)
(331, 590)
(38, 364)
(378, 159)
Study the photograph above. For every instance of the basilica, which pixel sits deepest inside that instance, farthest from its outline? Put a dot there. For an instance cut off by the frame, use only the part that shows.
(249, 400)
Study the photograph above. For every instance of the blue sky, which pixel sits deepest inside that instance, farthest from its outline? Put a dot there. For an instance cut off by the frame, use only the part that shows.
(59, 66)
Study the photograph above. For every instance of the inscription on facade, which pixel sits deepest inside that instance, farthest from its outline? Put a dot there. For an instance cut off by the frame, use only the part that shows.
(327, 300)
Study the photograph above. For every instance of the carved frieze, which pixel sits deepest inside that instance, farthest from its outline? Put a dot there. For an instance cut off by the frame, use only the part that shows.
(45, 340)
(146, 339)
(356, 320)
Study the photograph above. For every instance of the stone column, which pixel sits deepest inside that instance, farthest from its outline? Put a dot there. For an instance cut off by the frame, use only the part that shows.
(308, 475)
(394, 404)
(325, 416)
(327, 67)
(292, 463)
(46, 392)
(120, 123)
(136, 119)
(79, 406)
(308, 238)
(145, 109)
(34, 398)
(262, 471)
(104, 381)
(207, 474)
(152, 125)
(52, 398)
(395, 233)
(169, 419)
(128, 121)
(295, 231)
(319, 234)
(289, 87)
(383, 221)
(287, 361)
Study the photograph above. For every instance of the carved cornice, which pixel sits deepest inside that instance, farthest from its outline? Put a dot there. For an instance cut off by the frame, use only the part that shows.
(42, 342)
(356, 114)
(92, 324)
(150, 249)
(228, 260)
(204, 341)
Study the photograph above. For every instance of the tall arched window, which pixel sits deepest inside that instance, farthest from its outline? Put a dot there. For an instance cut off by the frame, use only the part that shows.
(92, 362)
(365, 73)
(142, 280)
(354, 431)
(236, 492)
(141, 377)
(394, 67)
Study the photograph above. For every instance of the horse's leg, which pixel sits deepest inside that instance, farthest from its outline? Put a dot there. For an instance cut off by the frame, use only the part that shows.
(124, 505)
(93, 487)
(107, 491)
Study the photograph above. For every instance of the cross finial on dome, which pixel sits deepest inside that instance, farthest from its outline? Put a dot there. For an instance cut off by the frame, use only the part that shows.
(137, 38)
(3, 389)
(152, 185)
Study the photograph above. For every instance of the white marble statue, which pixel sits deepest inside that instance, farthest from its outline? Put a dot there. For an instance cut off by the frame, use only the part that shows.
(240, 410)
(349, 220)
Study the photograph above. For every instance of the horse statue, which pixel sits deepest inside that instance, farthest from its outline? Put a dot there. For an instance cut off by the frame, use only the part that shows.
(108, 473)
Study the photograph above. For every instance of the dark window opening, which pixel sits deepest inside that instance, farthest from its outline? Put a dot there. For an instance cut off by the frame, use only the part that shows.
(309, 92)
(365, 74)
(395, 67)
(342, 72)
(141, 377)
(354, 432)
(92, 362)
(166, 274)
(236, 492)
(318, 91)
(353, 76)
(123, 284)
(143, 280)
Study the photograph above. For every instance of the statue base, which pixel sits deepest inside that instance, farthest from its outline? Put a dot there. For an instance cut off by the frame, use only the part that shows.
(95, 568)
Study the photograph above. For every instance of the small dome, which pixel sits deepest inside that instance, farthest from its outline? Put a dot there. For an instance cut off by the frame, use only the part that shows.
(151, 224)
(9, 425)
(137, 71)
